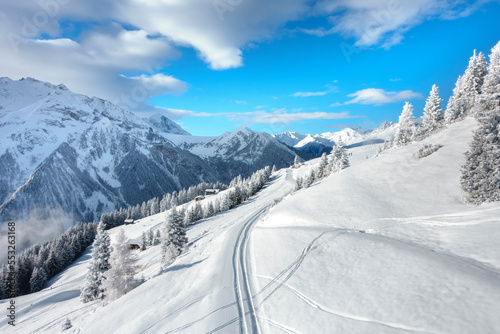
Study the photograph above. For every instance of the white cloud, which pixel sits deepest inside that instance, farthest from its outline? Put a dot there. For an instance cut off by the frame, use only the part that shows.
(384, 22)
(308, 94)
(156, 83)
(240, 102)
(177, 114)
(281, 116)
(321, 93)
(380, 96)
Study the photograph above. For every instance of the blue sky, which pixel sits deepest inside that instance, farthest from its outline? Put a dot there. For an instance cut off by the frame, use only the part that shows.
(215, 65)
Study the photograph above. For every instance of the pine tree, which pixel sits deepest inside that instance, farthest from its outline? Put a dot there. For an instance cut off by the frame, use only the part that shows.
(120, 277)
(404, 133)
(322, 167)
(151, 237)
(38, 280)
(210, 210)
(226, 202)
(157, 237)
(481, 171)
(144, 241)
(296, 162)
(99, 264)
(473, 80)
(298, 183)
(339, 158)
(490, 96)
(173, 237)
(308, 180)
(433, 112)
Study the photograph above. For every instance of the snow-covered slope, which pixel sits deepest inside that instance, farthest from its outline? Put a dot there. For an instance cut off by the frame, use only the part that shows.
(385, 246)
(82, 155)
(289, 138)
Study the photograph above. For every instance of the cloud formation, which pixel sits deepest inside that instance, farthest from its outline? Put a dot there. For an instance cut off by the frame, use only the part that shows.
(283, 117)
(120, 41)
(379, 96)
(384, 22)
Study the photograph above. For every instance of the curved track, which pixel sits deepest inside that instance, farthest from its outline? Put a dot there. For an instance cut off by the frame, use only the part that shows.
(246, 309)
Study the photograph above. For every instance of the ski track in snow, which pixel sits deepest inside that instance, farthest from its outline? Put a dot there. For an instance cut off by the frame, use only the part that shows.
(316, 305)
(242, 289)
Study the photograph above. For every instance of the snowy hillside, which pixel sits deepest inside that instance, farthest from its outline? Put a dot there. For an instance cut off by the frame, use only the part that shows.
(384, 246)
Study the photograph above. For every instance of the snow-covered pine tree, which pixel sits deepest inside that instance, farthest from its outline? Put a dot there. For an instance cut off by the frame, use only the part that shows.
(405, 130)
(144, 241)
(322, 167)
(119, 279)
(308, 180)
(209, 210)
(274, 170)
(226, 202)
(298, 183)
(490, 94)
(481, 171)
(473, 80)
(296, 162)
(101, 250)
(173, 237)
(38, 279)
(157, 237)
(453, 109)
(339, 158)
(151, 237)
(433, 112)
(155, 206)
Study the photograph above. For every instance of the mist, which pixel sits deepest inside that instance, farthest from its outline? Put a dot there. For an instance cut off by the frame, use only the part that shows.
(37, 228)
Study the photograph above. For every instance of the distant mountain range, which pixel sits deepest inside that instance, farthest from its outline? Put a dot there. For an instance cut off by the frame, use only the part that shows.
(316, 145)
(85, 156)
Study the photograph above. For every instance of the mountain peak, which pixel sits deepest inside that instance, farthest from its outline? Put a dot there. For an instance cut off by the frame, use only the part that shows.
(244, 129)
(163, 124)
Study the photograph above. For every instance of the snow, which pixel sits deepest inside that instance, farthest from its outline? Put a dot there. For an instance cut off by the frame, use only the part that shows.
(384, 246)
(348, 137)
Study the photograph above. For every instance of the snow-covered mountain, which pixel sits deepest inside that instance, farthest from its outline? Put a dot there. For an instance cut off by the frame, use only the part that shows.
(83, 155)
(61, 150)
(316, 145)
(162, 124)
(238, 152)
(289, 138)
(384, 246)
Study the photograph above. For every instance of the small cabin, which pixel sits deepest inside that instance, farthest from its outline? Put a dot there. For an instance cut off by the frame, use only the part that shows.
(133, 246)
(199, 198)
(209, 192)
(129, 221)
